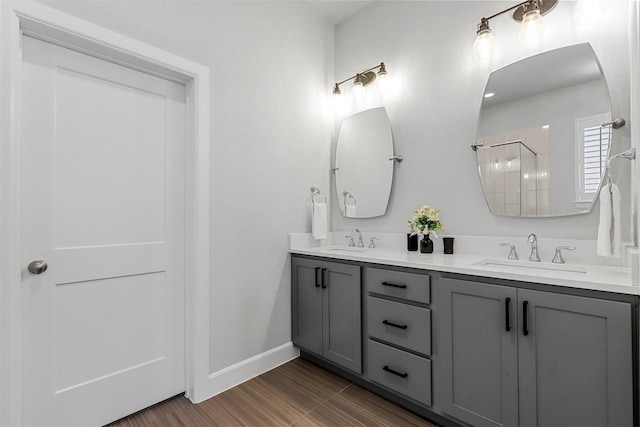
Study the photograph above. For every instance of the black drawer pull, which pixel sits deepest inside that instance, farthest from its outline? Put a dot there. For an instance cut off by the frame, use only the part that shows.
(391, 371)
(395, 325)
(525, 326)
(317, 282)
(507, 302)
(324, 278)
(393, 285)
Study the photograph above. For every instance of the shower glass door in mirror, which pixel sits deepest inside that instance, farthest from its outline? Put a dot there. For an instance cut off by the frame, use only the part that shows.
(363, 164)
(540, 146)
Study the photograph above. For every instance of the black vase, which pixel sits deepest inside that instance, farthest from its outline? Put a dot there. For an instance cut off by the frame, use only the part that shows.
(412, 242)
(426, 245)
(448, 245)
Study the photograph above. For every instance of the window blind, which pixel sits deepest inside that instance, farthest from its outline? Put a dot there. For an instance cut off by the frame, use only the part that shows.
(595, 148)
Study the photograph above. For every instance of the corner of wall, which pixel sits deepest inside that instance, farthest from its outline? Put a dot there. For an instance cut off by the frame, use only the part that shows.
(245, 370)
(634, 119)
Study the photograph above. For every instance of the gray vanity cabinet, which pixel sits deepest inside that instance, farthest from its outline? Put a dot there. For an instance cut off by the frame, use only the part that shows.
(479, 353)
(531, 358)
(326, 319)
(575, 361)
(398, 320)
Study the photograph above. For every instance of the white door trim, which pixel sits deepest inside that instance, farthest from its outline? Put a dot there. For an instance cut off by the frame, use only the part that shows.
(43, 22)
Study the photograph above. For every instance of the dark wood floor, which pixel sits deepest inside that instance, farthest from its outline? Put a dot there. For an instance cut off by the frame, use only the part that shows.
(295, 394)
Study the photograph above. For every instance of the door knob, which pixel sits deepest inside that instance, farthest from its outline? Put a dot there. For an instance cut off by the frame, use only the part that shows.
(37, 267)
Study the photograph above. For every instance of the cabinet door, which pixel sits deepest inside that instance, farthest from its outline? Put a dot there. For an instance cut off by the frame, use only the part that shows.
(342, 323)
(575, 361)
(478, 349)
(306, 304)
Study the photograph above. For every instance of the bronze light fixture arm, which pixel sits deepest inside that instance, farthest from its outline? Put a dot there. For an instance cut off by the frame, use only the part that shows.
(365, 77)
(346, 80)
(544, 6)
(381, 66)
(507, 10)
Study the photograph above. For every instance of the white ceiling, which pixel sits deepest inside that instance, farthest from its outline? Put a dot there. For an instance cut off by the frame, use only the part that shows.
(336, 10)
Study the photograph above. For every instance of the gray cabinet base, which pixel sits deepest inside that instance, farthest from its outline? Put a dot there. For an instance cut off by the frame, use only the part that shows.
(382, 392)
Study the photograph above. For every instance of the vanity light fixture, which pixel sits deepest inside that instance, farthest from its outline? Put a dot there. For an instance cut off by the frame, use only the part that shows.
(364, 78)
(529, 13)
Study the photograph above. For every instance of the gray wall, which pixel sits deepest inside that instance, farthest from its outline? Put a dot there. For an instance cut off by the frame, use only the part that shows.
(433, 105)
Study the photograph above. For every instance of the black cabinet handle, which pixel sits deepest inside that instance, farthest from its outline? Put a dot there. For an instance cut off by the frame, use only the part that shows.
(525, 327)
(317, 281)
(507, 304)
(393, 285)
(391, 371)
(395, 325)
(324, 278)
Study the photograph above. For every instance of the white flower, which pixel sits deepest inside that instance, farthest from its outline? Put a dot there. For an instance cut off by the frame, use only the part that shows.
(425, 218)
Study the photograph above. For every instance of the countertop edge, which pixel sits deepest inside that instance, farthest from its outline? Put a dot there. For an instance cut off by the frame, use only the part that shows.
(597, 277)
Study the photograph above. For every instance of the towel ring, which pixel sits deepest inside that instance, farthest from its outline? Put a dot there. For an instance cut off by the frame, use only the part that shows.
(630, 154)
(346, 195)
(315, 191)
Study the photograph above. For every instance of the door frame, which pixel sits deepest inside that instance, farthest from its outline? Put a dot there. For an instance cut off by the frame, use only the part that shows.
(30, 18)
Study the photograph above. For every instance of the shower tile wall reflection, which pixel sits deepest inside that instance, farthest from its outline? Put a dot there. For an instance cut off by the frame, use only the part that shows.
(515, 176)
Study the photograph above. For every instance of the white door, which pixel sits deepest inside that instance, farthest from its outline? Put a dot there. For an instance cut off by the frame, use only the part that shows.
(103, 205)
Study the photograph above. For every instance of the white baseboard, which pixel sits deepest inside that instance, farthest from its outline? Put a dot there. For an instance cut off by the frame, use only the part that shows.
(234, 375)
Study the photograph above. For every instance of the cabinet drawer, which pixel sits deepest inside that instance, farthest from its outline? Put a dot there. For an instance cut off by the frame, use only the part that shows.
(399, 284)
(401, 324)
(398, 370)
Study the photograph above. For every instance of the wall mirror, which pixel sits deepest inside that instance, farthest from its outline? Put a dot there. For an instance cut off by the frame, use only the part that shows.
(363, 164)
(541, 144)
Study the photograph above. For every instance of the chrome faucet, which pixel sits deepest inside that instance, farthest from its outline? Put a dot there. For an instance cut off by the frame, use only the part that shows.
(534, 248)
(360, 242)
(557, 259)
(512, 253)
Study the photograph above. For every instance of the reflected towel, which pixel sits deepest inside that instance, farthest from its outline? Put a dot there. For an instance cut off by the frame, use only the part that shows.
(319, 224)
(350, 211)
(609, 242)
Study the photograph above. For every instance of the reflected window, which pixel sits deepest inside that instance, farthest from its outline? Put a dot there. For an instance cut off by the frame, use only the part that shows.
(592, 147)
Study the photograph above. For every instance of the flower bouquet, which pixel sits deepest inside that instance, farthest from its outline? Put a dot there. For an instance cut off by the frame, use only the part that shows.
(425, 220)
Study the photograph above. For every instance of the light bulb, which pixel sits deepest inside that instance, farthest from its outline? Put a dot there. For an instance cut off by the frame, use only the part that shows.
(382, 74)
(358, 89)
(532, 26)
(382, 82)
(484, 45)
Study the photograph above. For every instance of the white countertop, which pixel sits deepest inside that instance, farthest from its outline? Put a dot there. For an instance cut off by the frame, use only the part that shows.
(584, 276)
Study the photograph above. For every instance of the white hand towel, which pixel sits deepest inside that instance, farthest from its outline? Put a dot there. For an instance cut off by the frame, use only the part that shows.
(616, 246)
(604, 226)
(609, 227)
(319, 224)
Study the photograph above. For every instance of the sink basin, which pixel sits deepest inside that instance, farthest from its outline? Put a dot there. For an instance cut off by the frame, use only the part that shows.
(344, 249)
(522, 266)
